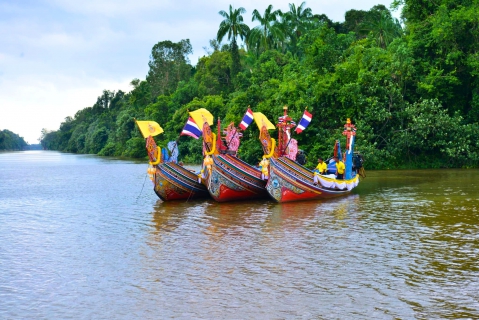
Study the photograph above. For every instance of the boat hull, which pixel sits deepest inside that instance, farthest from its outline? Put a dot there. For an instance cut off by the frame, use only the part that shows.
(289, 181)
(173, 182)
(231, 179)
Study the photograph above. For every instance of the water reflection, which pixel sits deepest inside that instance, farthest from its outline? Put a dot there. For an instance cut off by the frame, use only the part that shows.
(167, 217)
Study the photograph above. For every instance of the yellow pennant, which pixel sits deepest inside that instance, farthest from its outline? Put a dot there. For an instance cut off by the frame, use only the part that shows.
(261, 121)
(149, 128)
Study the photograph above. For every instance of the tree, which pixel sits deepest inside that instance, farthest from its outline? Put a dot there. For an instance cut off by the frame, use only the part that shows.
(299, 20)
(213, 74)
(169, 65)
(383, 27)
(267, 32)
(353, 20)
(11, 141)
(234, 26)
(444, 38)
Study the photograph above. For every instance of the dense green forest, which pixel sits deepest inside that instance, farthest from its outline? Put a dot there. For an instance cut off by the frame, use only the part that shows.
(411, 88)
(11, 141)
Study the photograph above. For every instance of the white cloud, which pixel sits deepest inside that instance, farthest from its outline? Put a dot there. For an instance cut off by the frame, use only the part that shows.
(45, 103)
(112, 8)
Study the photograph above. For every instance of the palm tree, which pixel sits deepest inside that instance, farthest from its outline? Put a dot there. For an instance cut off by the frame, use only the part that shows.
(300, 20)
(384, 28)
(234, 26)
(267, 32)
(284, 27)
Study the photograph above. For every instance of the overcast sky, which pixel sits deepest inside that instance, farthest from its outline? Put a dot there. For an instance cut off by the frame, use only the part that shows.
(57, 56)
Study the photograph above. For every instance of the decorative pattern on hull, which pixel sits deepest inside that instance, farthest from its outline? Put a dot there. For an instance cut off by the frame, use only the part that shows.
(276, 185)
(173, 182)
(287, 184)
(232, 179)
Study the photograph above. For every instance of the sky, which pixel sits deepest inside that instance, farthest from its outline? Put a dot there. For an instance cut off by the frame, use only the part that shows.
(57, 56)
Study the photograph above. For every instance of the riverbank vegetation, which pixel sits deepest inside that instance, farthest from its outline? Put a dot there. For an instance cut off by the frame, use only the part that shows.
(411, 88)
(10, 141)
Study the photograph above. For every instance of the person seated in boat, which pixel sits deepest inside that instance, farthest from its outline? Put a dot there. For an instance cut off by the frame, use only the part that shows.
(339, 168)
(321, 167)
(301, 158)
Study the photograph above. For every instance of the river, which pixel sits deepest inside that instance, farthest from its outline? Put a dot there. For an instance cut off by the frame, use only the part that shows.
(85, 237)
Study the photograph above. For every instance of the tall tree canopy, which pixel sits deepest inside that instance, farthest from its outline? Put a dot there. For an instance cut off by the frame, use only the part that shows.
(169, 64)
(412, 89)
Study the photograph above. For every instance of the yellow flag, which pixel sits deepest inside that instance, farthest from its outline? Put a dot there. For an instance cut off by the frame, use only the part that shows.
(149, 128)
(201, 116)
(261, 120)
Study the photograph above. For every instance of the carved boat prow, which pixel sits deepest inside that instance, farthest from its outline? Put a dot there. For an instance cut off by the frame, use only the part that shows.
(171, 181)
(227, 177)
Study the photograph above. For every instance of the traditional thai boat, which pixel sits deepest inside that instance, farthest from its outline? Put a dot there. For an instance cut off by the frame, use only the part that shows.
(171, 181)
(289, 181)
(227, 177)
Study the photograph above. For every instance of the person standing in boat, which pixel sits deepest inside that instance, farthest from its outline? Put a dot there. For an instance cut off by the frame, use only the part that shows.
(339, 168)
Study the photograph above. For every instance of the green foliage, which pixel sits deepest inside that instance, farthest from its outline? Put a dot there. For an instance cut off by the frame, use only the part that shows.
(11, 141)
(213, 74)
(263, 37)
(135, 148)
(382, 27)
(168, 66)
(413, 94)
(110, 149)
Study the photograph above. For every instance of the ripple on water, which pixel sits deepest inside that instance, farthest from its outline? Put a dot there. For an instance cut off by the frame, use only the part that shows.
(86, 237)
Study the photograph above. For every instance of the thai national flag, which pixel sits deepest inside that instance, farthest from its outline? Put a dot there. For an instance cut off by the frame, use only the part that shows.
(191, 129)
(304, 122)
(247, 119)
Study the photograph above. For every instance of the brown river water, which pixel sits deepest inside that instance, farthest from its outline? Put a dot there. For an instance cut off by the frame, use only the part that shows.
(85, 237)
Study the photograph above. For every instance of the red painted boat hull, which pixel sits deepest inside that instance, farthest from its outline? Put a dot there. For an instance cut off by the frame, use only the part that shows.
(173, 182)
(232, 180)
(289, 181)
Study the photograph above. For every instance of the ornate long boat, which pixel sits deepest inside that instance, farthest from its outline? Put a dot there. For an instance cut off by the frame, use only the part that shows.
(174, 182)
(171, 181)
(232, 179)
(227, 177)
(289, 181)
